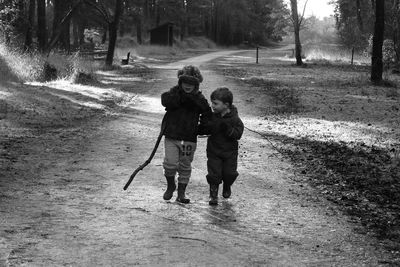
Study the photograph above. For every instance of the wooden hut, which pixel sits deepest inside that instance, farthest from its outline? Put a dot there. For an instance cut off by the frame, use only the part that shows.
(162, 34)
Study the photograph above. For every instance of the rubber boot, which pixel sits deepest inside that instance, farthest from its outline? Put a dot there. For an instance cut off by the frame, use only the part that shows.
(170, 187)
(226, 191)
(213, 194)
(181, 194)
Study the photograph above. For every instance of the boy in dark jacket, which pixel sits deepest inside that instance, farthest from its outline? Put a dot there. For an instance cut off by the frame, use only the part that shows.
(184, 104)
(225, 129)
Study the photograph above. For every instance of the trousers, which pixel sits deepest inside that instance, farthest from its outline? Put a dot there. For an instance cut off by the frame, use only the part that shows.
(178, 159)
(222, 168)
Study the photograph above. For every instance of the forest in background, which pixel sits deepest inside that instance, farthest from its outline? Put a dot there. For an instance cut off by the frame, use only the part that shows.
(33, 23)
(76, 25)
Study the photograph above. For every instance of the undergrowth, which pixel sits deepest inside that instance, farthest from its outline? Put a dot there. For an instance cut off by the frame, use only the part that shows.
(334, 53)
(24, 66)
(363, 180)
(31, 66)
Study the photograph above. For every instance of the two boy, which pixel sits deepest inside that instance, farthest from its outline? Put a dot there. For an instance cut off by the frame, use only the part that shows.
(186, 106)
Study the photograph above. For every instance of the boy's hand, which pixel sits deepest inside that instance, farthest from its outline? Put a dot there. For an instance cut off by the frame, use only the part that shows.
(187, 98)
(194, 98)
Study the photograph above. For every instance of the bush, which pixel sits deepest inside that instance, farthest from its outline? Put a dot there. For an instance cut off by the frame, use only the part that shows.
(24, 66)
(28, 67)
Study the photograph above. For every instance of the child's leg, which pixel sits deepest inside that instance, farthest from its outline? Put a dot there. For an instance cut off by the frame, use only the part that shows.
(171, 158)
(214, 167)
(186, 154)
(229, 174)
(170, 165)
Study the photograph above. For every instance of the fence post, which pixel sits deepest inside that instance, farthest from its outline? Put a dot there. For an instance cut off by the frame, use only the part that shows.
(352, 56)
(257, 55)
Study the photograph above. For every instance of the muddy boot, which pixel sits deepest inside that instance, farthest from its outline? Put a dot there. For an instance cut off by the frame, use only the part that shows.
(226, 191)
(213, 194)
(181, 194)
(170, 187)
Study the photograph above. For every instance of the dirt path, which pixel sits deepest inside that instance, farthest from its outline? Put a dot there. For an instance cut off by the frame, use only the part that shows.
(68, 208)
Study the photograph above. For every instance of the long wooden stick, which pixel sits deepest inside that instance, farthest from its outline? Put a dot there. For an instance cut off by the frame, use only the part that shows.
(141, 167)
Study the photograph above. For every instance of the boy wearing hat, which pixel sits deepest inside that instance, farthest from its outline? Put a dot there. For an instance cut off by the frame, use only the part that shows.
(184, 104)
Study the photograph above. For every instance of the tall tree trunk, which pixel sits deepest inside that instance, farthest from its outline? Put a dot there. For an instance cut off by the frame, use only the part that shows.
(60, 30)
(359, 17)
(41, 28)
(139, 30)
(377, 43)
(296, 26)
(146, 9)
(152, 11)
(215, 24)
(113, 28)
(75, 31)
(82, 26)
(147, 19)
(182, 19)
(61, 8)
(158, 14)
(104, 36)
(31, 22)
(397, 29)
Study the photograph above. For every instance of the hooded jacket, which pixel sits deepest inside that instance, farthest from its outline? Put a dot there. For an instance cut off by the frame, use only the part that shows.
(224, 133)
(183, 113)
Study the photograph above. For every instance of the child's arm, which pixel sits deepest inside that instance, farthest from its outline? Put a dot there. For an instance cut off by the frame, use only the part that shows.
(233, 130)
(202, 103)
(206, 125)
(197, 99)
(171, 99)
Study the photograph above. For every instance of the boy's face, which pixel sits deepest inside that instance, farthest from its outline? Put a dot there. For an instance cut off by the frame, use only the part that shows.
(187, 88)
(218, 106)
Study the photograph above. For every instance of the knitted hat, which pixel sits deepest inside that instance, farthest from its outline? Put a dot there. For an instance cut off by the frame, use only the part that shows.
(190, 74)
(189, 80)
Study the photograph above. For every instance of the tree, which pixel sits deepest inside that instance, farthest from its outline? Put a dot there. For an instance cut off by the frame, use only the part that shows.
(354, 22)
(113, 29)
(62, 26)
(296, 26)
(377, 63)
(29, 29)
(60, 10)
(12, 22)
(392, 25)
(227, 22)
(41, 27)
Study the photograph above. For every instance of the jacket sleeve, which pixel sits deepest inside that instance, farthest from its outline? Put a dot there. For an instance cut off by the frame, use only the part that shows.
(206, 124)
(235, 130)
(197, 100)
(202, 103)
(171, 100)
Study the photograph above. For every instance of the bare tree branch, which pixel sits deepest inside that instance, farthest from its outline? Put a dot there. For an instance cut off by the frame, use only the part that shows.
(302, 15)
(101, 9)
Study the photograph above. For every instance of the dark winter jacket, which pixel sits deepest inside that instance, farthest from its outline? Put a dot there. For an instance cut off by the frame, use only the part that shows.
(183, 113)
(224, 133)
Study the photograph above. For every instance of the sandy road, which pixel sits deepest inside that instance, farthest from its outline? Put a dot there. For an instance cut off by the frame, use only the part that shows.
(69, 209)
